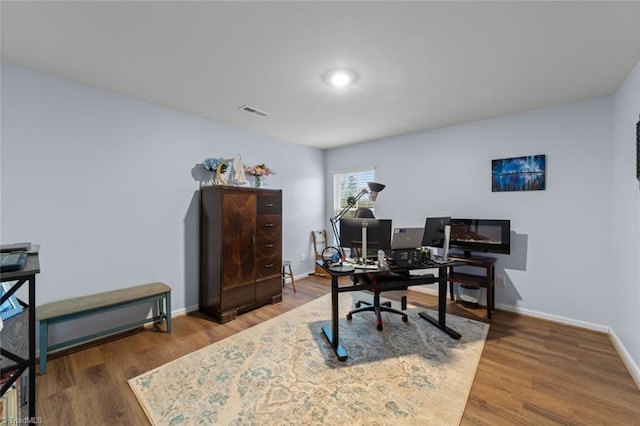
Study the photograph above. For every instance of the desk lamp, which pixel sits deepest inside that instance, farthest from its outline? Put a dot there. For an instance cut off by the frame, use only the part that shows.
(373, 190)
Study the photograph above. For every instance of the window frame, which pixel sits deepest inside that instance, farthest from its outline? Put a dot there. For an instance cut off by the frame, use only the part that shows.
(362, 175)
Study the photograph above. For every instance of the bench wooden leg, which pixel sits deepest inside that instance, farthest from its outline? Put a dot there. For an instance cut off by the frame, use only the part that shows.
(164, 310)
(44, 342)
(168, 311)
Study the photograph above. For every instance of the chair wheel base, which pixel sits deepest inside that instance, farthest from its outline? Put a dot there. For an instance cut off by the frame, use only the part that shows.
(377, 307)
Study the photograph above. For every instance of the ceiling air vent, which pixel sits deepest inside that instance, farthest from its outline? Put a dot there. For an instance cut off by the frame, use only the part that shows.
(255, 111)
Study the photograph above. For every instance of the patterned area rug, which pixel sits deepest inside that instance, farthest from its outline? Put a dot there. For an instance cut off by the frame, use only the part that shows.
(283, 371)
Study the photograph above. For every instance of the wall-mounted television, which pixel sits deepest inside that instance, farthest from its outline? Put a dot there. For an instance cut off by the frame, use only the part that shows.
(481, 235)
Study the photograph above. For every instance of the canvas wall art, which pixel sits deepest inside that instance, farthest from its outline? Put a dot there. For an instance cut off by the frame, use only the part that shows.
(519, 173)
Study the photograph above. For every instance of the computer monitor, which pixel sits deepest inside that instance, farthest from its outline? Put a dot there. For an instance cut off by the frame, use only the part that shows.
(378, 234)
(434, 231)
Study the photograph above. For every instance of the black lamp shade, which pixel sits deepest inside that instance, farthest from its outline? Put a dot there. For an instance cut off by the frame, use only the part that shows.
(376, 187)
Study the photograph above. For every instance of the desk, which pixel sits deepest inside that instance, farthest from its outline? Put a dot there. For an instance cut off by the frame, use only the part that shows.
(404, 280)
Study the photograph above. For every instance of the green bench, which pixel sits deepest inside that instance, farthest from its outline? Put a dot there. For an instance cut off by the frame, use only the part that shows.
(78, 307)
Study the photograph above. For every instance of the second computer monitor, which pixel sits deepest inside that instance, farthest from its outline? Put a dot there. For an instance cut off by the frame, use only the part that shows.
(378, 234)
(434, 231)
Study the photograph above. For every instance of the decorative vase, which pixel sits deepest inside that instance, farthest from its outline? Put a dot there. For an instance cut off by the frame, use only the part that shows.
(213, 180)
(219, 180)
(258, 182)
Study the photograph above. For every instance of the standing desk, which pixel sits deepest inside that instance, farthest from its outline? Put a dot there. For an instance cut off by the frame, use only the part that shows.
(399, 280)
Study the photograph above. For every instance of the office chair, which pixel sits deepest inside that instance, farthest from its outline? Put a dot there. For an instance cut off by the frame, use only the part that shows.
(374, 279)
(364, 212)
(384, 281)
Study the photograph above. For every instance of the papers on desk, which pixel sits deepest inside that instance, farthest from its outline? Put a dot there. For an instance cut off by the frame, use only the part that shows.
(14, 247)
(367, 267)
(357, 265)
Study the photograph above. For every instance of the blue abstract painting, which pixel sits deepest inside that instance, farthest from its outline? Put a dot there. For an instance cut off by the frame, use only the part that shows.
(519, 174)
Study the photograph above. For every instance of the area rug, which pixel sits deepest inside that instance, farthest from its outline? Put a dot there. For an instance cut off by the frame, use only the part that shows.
(283, 371)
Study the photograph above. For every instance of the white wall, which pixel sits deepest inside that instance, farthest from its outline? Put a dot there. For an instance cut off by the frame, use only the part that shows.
(108, 186)
(562, 243)
(625, 270)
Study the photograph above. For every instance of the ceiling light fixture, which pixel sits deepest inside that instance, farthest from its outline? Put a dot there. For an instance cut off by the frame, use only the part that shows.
(341, 77)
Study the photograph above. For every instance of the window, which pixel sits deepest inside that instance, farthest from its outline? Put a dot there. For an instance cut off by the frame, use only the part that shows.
(349, 183)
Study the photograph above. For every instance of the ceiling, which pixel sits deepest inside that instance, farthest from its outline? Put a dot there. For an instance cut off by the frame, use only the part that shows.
(421, 65)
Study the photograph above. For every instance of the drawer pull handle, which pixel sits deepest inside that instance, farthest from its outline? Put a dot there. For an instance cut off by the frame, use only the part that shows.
(270, 265)
(269, 225)
(269, 205)
(268, 245)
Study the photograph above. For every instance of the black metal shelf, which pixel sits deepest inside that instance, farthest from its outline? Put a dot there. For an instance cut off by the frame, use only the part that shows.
(17, 357)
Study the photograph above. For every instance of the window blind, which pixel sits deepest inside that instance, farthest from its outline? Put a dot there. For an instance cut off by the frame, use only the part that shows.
(349, 183)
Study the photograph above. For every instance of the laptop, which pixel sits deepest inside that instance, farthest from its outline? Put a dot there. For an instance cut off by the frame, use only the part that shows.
(406, 238)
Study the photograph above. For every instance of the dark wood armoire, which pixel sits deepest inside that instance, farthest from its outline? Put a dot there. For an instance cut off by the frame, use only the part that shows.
(240, 249)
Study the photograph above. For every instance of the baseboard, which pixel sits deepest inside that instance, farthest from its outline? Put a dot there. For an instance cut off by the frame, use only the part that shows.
(187, 310)
(298, 277)
(631, 365)
(531, 313)
(424, 289)
(555, 318)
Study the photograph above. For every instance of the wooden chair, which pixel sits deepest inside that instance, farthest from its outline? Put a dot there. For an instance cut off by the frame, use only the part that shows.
(287, 271)
(319, 244)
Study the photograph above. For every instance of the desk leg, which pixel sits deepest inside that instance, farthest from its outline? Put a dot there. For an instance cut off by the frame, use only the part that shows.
(332, 335)
(441, 322)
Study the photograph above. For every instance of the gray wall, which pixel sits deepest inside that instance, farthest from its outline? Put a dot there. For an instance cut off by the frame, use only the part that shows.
(112, 182)
(448, 172)
(108, 186)
(575, 253)
(624, 284)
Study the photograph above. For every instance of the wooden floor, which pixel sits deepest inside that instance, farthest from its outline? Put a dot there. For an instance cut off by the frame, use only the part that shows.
(532, 372)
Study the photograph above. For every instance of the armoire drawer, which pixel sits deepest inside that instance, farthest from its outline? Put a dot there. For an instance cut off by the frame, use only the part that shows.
(268, 266)
(267, 247)
(268, 226)
(269, 204)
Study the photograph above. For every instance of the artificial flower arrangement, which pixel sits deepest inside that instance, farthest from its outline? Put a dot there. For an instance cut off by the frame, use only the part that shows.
(212, 164)
(259, 170)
